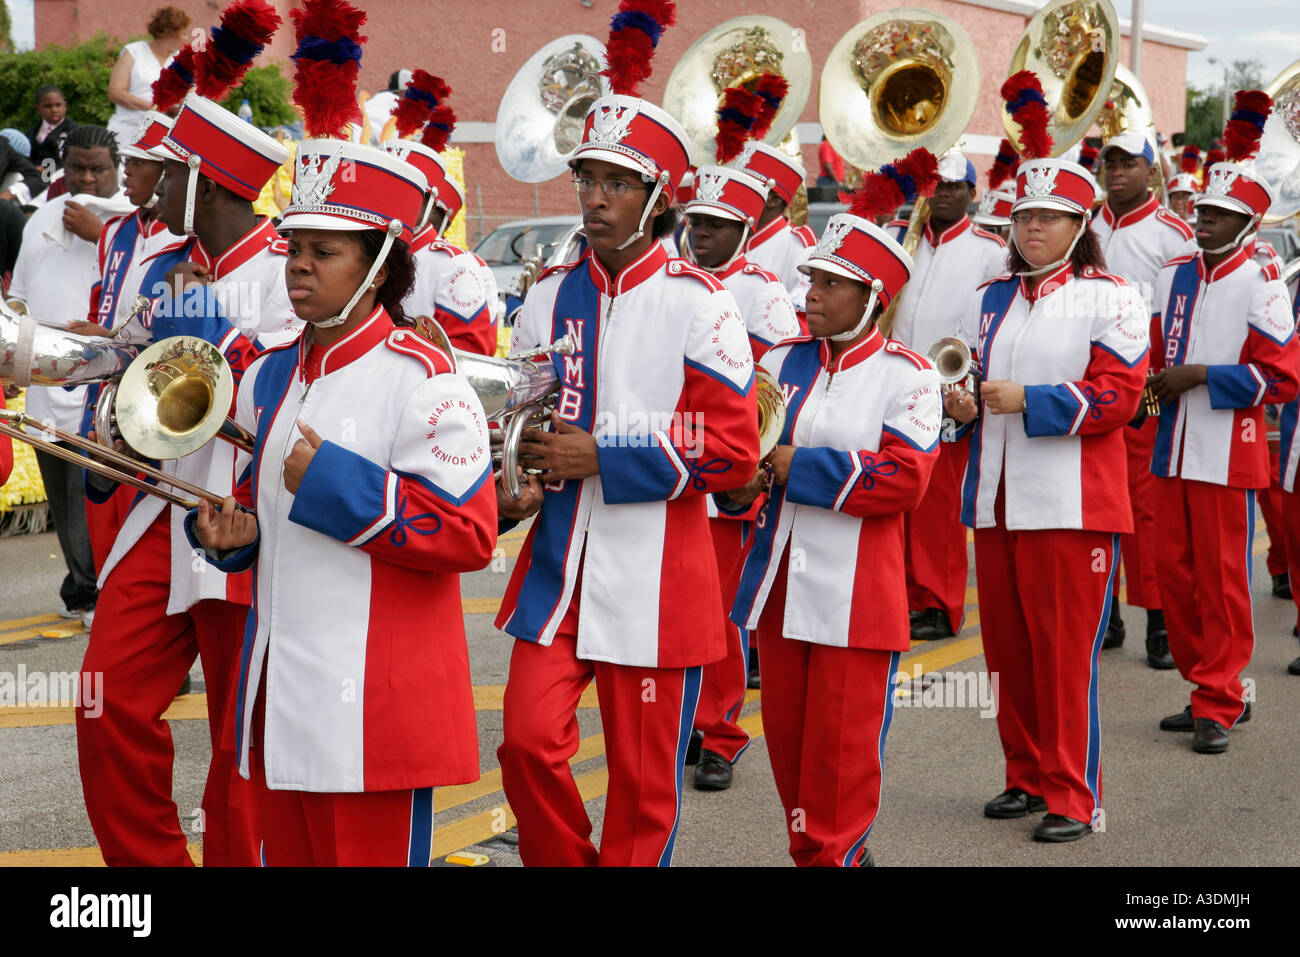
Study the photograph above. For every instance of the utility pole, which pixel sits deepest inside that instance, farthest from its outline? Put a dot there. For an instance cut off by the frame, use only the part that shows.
(1135, 40)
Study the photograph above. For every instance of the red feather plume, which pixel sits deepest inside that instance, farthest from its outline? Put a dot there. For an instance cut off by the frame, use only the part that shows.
(1004, 165)
(171, 86)
(731, 133)
(772, 88)
(1024, 92)
(412, 112)
(630, 49)
(326, 91)
(438, 130)
(1215, 155)
(1190, 161)
(1242, 134)
(215, 72)
(882, 193)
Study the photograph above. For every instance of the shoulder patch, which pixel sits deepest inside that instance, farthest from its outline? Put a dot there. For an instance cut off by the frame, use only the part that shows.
(279, 246)
(1092, 272)
(1179, 260)
(680, 267)
(985, 234)
(554, 270)
(1270, 271)
(409, 343)
(988, 282)
(897, 222)
(442, 246)
(806, 235)
(752, 270)
(1175, 222)
(897, 348)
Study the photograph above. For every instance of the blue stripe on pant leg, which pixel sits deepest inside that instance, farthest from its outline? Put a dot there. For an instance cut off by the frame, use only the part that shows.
(420, 847)
(851, 857)
(1092, 770)
(686, 720)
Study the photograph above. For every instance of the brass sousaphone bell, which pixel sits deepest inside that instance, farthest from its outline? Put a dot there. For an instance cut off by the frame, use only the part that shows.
(737, 53)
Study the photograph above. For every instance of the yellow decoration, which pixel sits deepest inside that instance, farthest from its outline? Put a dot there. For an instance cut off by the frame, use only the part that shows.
(24, 486)
(275, 194)
(454, 157)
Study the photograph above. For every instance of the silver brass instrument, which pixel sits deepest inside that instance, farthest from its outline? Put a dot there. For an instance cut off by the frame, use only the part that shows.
(1073, 48)
(541, 116)
(952, 360)
(1279, 149)
(737, 53)
(516, 393)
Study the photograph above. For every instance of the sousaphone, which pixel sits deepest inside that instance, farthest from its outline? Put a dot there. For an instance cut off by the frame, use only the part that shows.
(1129, 108)
(1073, 48)
(540, 120)
(737, 53)
(1279, 149)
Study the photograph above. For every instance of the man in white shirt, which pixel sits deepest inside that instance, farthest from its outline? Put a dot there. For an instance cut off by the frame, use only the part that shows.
(56, 269)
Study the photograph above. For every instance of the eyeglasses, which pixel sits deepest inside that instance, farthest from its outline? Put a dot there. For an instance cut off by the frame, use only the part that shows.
(1045, 216)
(613, 188)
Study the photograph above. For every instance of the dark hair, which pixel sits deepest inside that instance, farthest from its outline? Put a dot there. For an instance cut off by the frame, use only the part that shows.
(401, 273)
(1087, 252)
(166, 21)
(664, 224)
(42, 90)
(90, 138)
(395, 81)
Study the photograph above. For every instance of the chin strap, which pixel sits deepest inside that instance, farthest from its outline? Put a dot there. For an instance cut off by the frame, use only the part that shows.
(688, 253)
(1247, 233)
(1060, 262)
(660, 183)
(876, 286)
(191, 188)
(394, 227)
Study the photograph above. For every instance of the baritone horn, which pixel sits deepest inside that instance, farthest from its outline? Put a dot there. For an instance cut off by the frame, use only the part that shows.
(1072, 46)
(736, 53)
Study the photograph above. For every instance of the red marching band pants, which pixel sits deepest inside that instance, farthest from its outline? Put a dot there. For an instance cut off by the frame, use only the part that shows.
(646, 714)
(1044, 599)
(935, 539)
(723, 683)
(126, 752)
(1271, 505)
(1205, 585)
(826, 712)
(1139, 547)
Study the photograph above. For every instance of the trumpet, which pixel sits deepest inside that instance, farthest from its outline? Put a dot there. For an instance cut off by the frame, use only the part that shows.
(1150, 404)
(952, 360)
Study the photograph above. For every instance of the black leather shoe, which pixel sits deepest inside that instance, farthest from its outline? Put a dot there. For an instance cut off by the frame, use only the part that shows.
(1294, 667)
(713, 773)
(1210, 738)
(912, 615)
(1282, 586)
(930, 625)
(1114, 631)
(753, 681)
(1183, 721)
(1158, 655)
(1014, 803)
(1057, 829)
(866, 860)
(693, 747)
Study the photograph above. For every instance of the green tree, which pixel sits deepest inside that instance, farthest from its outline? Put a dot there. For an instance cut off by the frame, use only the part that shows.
(6, 28)
(1205, 118)
(267, 90)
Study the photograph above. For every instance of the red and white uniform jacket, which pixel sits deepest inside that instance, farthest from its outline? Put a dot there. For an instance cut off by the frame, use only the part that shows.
(356, 611)
(1139, 243)
(946, 271)
(126, 248)
(781, 248)
(664, 378)
(1236, 320)
(769, 318)
(1266, 255)
(866, 434)
(1078, 344)
(245, 310)
(450, 287)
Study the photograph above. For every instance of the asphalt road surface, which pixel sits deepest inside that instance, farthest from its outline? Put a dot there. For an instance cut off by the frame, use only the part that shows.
(1163, 804)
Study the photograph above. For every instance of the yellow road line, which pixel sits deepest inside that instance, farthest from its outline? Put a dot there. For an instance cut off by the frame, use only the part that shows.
(70, 857)
(34, 620)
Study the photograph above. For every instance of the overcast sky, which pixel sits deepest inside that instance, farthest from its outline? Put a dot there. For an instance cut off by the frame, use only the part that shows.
(1236, 29)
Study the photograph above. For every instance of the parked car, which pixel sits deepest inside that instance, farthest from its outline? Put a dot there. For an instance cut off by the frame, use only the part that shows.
(506, 247)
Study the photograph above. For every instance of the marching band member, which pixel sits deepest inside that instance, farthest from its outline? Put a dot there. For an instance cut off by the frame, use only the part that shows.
(1227, 346)
(1288, 460)
(776, 245)
(452, 285)
(1181, 193)
(994, 213)
(1137, 237)
(371, 481)
(1061, 348)
(824, 581)
(160, 608)
(726, 206)
(616, 579)
(953, 258)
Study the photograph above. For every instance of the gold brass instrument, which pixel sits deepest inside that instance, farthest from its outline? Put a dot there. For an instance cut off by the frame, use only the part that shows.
(166, 401)
(1279, 149)
(952, 360)
(903, 79)
(516, 393)
(1129, 108)
(1150, 404)
(737, 53)
(771, 411)
(541, 116)
(1073, 47)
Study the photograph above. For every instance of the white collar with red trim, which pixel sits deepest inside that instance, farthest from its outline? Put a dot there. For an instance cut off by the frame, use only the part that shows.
(1240, 256)
(350, 348)
(633, 274)
(726, 272)
(949, 234)
(423, 238)
(1132, 216)
(856, 354)
(1047, 284)
(253, 242)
